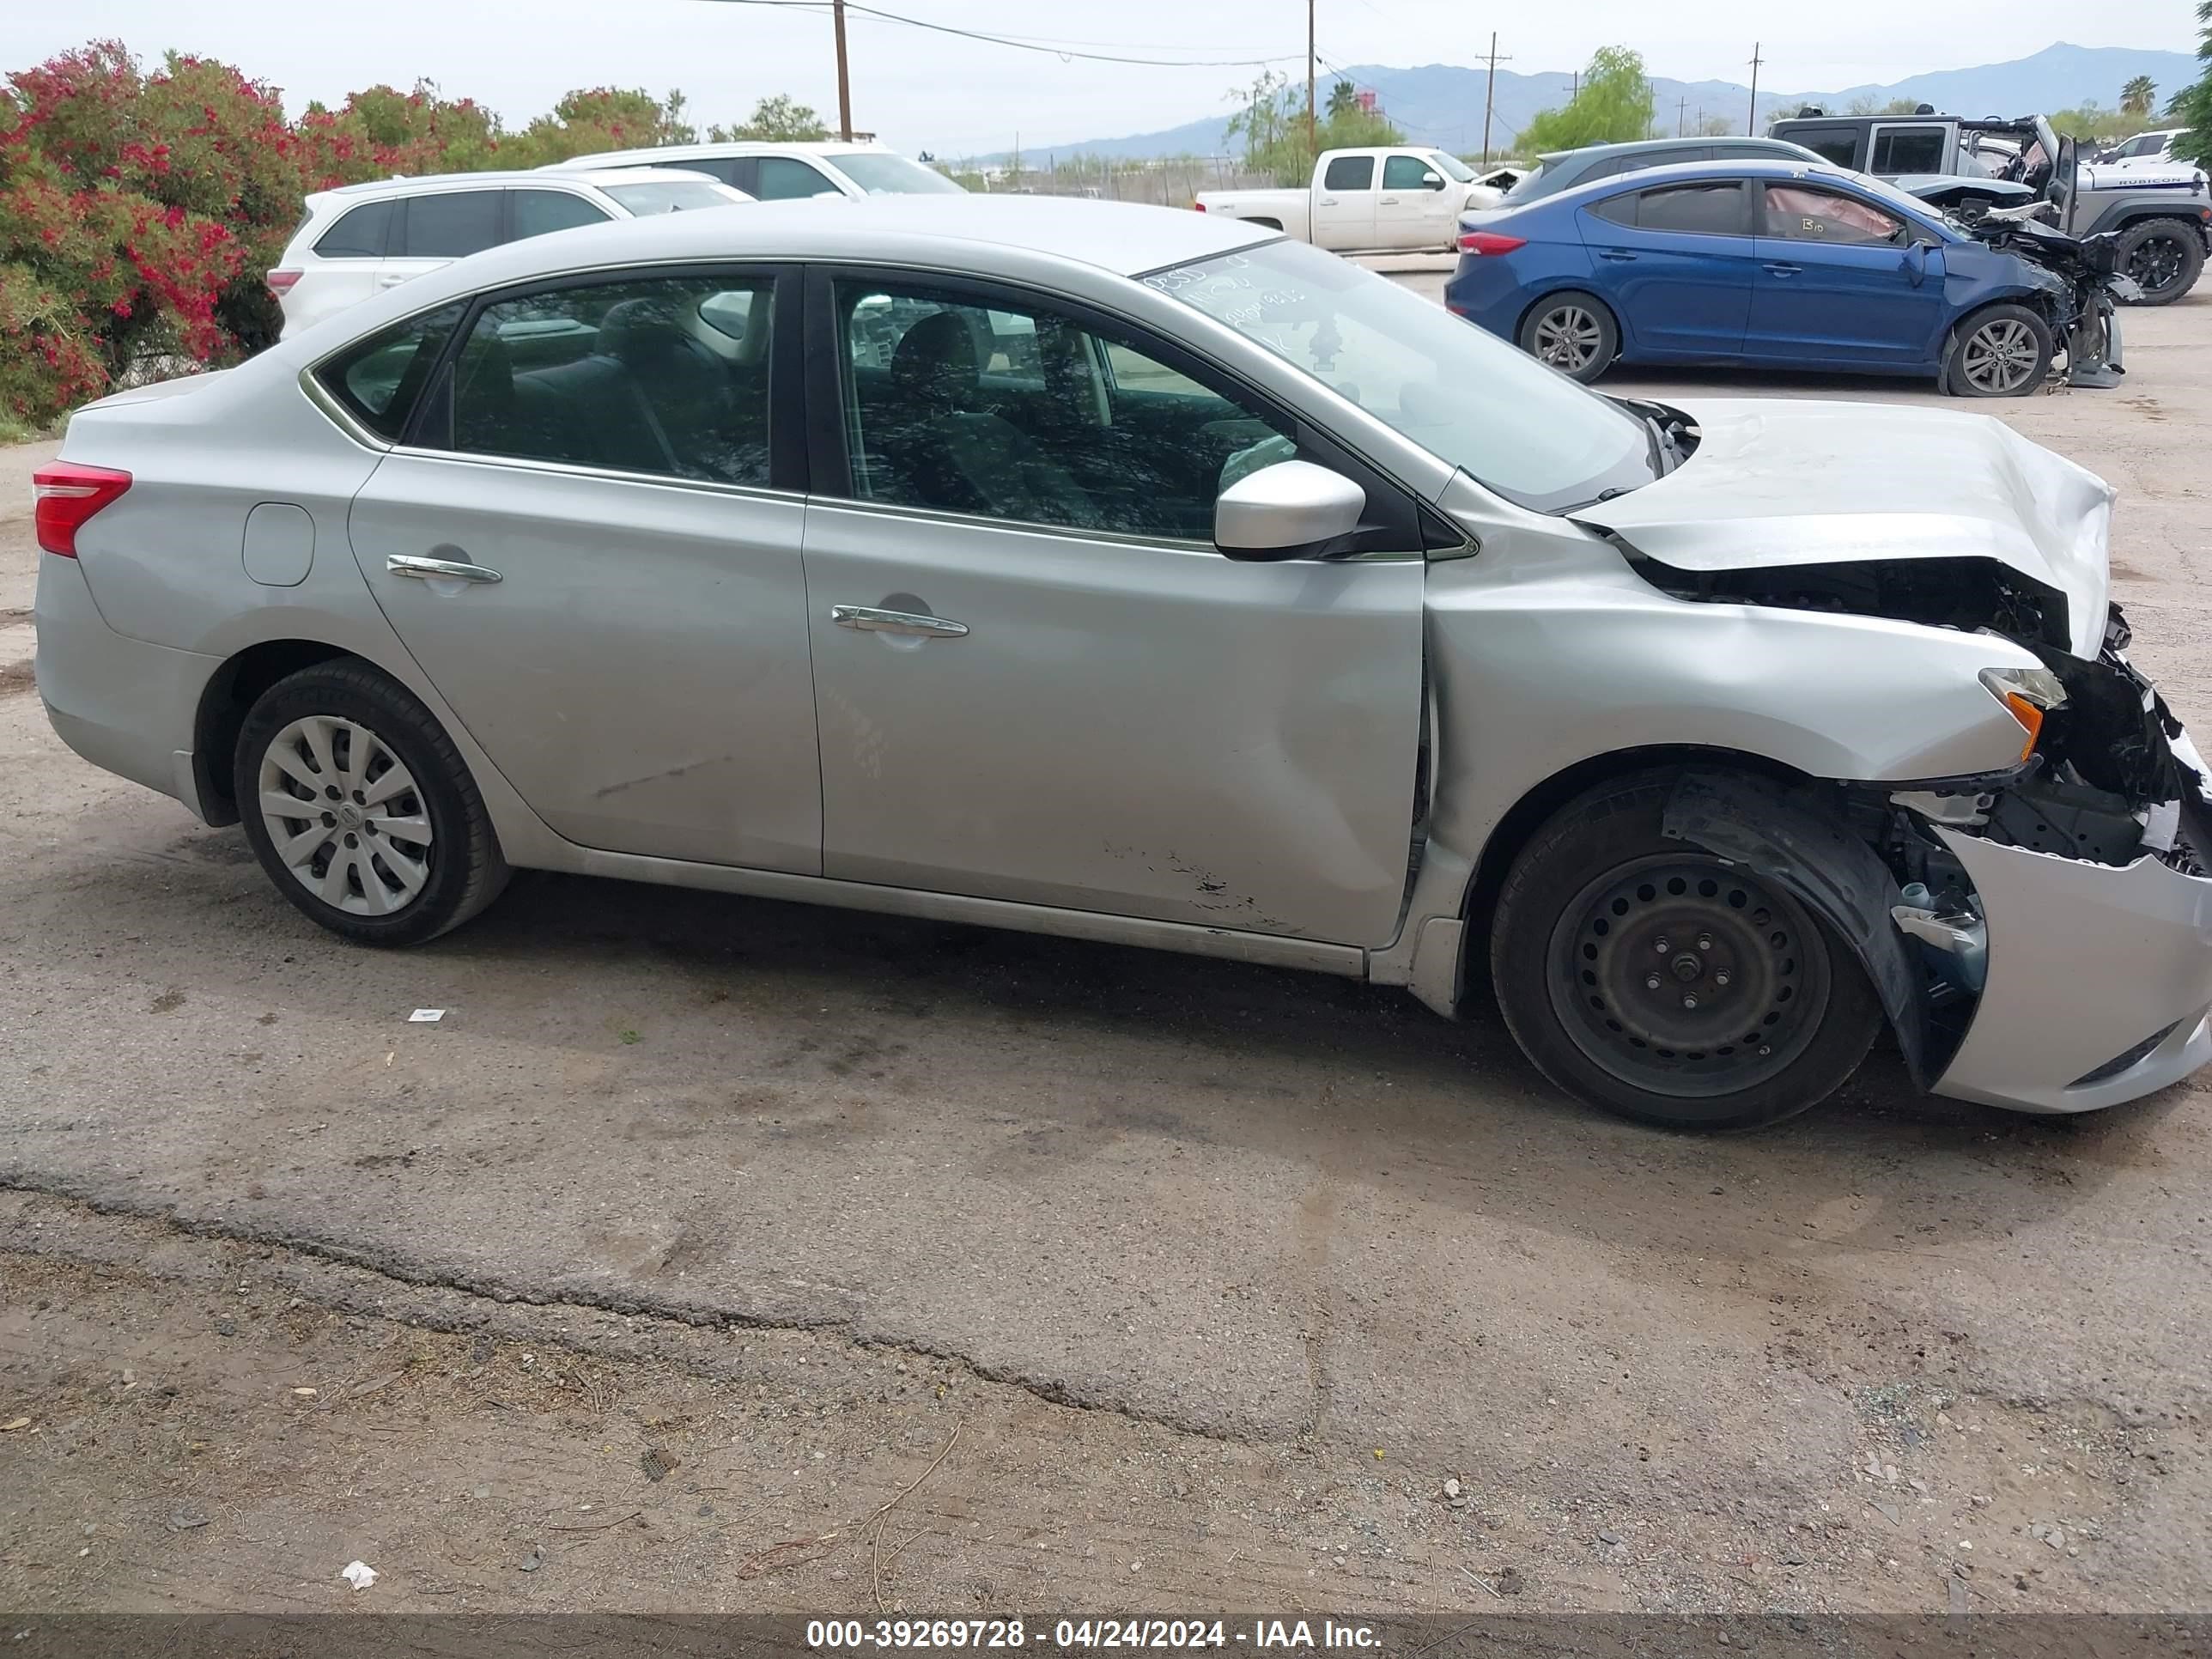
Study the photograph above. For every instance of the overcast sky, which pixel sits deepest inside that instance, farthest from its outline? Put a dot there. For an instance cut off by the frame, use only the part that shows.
(927, 91)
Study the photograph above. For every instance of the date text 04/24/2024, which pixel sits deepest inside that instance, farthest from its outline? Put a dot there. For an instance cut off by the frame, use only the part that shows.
(1088, 1634)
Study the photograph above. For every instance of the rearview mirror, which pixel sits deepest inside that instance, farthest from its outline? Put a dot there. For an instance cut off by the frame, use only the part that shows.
(1291, 510)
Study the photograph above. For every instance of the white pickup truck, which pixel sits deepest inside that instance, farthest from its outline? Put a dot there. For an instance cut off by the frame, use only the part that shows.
(1366, 199)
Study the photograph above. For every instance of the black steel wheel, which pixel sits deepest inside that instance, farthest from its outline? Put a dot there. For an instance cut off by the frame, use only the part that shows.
(1655, 979)
(2164, 256)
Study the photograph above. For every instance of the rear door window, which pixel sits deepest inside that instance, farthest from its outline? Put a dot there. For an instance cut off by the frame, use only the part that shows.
(783, 180)
(1838, 144)
(1715, 210)
(450, 224)
(1349, 172)
(1899, 150)
(359, 234)
(538, 211)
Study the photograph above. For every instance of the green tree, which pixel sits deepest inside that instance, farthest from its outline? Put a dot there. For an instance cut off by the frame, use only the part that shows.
(2139, 97)
(1271, 120)
(594, 119)
(1343, 98)
(2193, 106)
(780, 118)
(1613, 106)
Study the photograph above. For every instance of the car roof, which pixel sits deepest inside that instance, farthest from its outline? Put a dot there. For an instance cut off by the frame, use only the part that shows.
(1654, 146)
(1749, 167)
(945, 232)
(370, 189)
(826, 149)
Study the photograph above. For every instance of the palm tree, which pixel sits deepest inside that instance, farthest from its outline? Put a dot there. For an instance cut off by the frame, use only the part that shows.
(2139, 96)
(1343, 98)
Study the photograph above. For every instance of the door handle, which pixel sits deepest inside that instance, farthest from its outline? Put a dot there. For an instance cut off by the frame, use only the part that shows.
(1389, 201)
(392, 280)
(1619, 255)
(433, 570)
(869, 620)
(1328, 201)
(1785, 270)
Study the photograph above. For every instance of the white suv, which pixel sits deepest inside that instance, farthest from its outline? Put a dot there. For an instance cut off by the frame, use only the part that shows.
(360, 239)
(777, 171)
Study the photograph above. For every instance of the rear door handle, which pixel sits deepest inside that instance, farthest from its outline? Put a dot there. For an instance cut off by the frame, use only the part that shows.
(433, 570)
(1780, 270)
(869, 620)
(1620, 255)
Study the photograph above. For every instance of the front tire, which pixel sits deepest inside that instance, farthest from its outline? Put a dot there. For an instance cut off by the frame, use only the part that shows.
(1648, 977)
(1574, 332)
(360, 808)
(2001, 351)
(2165, 257)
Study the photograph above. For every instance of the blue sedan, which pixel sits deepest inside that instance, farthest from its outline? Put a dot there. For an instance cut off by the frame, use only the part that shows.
(1776, 264)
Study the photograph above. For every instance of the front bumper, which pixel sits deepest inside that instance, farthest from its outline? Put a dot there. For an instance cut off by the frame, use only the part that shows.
(2088, 963)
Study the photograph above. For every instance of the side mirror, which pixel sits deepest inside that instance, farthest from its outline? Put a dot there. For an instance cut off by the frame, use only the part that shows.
(1291, 510)
(1432, 181)
(1916, 263)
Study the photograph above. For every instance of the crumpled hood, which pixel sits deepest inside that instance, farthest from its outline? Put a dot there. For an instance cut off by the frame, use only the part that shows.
(1775, 483)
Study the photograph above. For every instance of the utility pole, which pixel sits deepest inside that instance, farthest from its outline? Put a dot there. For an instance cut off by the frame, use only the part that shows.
(1681, 109)
(1752, 126)
(844, 84)
(1313, 137)
(1490, 95)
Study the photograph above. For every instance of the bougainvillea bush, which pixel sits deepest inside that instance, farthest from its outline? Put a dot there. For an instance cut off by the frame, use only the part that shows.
(140, 209)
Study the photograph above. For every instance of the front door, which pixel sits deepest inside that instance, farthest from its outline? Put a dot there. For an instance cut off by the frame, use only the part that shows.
(1414, 210)
(1036, 680)
(1839, 281)
(1676, 264)
(1344, 203)
(582, 544)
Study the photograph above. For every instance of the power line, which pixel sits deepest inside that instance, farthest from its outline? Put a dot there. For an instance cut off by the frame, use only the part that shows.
(1039, 44)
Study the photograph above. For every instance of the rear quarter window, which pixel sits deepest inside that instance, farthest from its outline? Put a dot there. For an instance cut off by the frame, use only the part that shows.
(379, 379)
(358, 234)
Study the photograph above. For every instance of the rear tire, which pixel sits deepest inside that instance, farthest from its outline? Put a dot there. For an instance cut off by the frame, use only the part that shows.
(2001, 351)
(360, 808)
(1574, 332)
(2164, 255)
(1648, 977)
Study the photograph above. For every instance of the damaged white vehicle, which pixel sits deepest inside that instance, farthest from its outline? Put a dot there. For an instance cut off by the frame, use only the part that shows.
(1141, 577)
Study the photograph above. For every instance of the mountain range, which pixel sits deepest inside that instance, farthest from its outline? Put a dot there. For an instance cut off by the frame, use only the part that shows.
(1440, 104)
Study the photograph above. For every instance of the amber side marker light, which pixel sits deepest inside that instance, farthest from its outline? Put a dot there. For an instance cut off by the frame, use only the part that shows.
(2028, 694)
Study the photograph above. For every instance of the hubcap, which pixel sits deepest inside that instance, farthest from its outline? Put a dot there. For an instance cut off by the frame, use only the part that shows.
(2001, 355)
(2156, 262)
(345, 816)
(1682, 976)
(1568, 337)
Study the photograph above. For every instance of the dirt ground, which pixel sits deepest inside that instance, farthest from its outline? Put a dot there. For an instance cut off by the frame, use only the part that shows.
(716, 1255)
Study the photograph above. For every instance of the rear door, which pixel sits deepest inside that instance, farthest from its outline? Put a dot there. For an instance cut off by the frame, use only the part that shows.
(589, 540)
(1837, 282)
(1413, 209)
(1344, 201)
(435, 228)
(1676, 263)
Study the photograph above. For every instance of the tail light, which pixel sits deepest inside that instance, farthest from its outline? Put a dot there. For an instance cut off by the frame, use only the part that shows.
(65, 494)
(280, 281)
(1198, 207)
(1489, 241)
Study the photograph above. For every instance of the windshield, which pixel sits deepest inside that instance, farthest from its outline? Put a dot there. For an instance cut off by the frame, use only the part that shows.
(670, 196)
(893, 175)
(1467, 398)
(1451, 167)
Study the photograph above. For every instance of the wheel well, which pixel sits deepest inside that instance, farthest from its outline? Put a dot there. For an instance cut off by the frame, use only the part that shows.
(231, 690)
(1533, 810)
(1542, 300)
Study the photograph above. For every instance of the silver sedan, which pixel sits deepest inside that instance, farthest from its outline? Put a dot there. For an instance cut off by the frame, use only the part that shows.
(1130, 575)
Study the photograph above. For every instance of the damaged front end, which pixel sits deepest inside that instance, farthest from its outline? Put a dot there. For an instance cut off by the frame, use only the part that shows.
(2063, 916)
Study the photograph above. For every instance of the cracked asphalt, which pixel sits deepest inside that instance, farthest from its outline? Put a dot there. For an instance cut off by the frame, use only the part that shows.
(1293, 1246)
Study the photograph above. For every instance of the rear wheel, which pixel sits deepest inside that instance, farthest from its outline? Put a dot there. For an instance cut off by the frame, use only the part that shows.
(1650, 977)
(1575, 333)
(361, 810)
(2003, 351)
(2164, 256)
